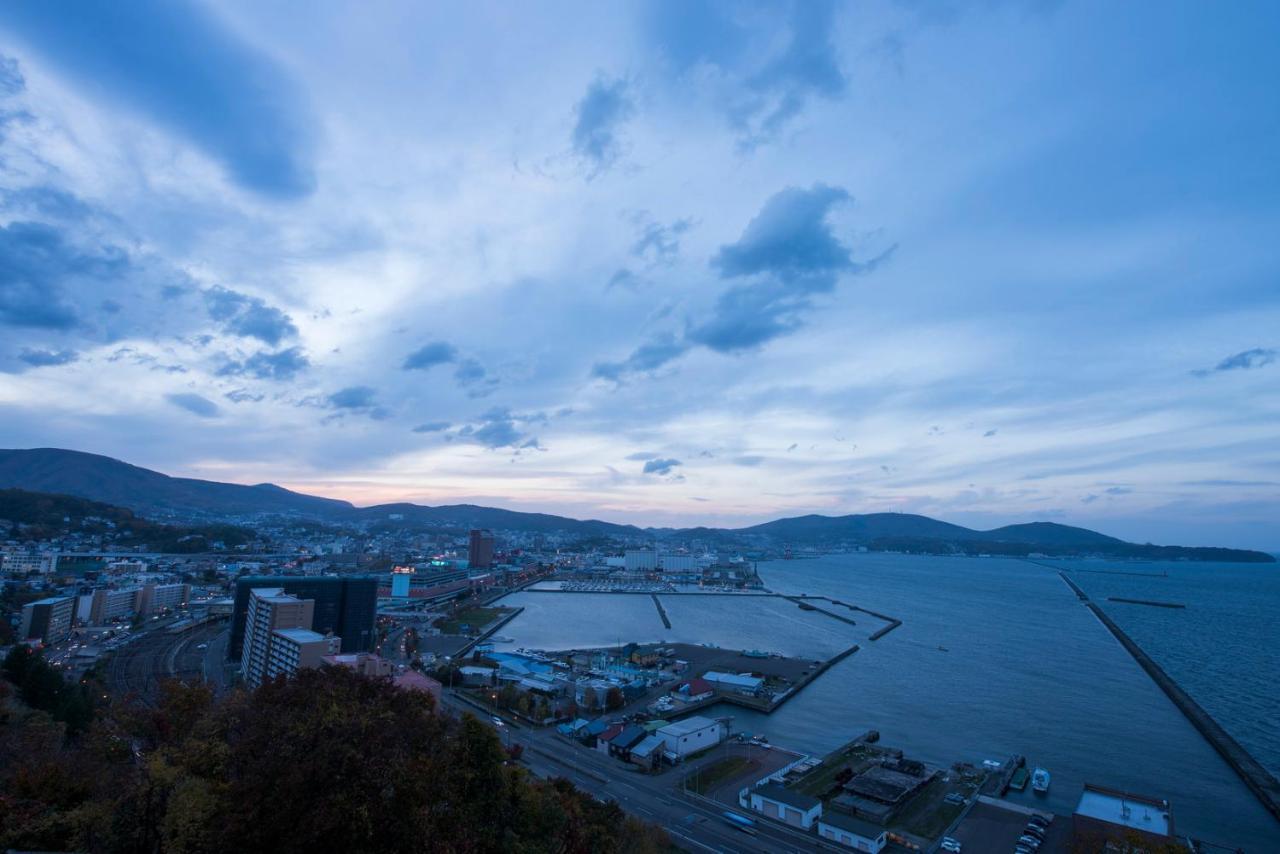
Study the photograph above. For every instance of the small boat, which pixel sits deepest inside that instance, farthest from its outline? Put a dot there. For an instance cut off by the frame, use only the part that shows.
(1040, 781)
(501, 639)
(1018, 781)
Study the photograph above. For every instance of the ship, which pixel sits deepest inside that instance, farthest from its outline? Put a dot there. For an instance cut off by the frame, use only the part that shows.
(1040, 781)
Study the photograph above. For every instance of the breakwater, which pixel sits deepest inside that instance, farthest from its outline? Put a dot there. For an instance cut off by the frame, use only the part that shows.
(1258, 779)
(487, 633)
(662, 612)
(1150, 602)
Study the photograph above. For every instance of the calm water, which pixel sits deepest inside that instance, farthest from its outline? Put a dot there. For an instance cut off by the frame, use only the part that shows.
(1027, 669)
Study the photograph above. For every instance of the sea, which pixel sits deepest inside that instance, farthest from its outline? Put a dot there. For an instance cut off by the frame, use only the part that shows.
(996, 657)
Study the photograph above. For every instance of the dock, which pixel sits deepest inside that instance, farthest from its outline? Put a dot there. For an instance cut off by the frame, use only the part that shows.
(662, 612)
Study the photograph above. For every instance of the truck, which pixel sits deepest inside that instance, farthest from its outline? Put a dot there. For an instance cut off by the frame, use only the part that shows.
(741, 822)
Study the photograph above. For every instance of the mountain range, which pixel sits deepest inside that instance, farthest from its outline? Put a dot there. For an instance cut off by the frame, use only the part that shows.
(161, 497)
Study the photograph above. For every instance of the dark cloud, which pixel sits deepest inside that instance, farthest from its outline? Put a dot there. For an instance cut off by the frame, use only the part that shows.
(47, 358)
(989, 433)
(195, 404)
(600, 113)
(40, 270)
(497, 430)
(1118, 490)
(1248, 360)
(650, 356)
(241, 395)
(248, 317)
(432, 427)
(790, 238)
(265, 365)
(177, 63)
(625, 279)
(661, 466)
(354, 397)
(430, 355)
(471, 375)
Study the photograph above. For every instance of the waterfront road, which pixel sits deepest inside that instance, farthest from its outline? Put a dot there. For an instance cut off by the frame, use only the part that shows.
(694, 823)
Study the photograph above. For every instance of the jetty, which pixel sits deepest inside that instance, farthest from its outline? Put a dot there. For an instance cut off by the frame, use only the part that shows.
(1150, 602)
(662, 612)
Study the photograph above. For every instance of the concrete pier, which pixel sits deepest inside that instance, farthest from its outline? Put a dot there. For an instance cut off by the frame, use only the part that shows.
(662, 612)
(1259, 780)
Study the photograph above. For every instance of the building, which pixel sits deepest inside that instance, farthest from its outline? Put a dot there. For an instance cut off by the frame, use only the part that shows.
(620, 745)
(675, 562)
(688, 736)
(158, 598)
(48, 620)
(640, 560)
(108, 605)
(855, 833)
(1106, 816)
(480, 549)
(786, 805)
(345, 606)
(270, 610)
(25, 563)
(401, 578)
(290, 650)
(741, 683)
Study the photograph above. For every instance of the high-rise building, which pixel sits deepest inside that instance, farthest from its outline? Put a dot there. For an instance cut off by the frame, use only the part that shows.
(270, 610)
(344, 606)
(290, 650)
(156, 598)
(480, 551)
(111, 605)
(49, 620)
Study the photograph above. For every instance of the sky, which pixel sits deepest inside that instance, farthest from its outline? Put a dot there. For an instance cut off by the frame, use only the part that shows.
(669, 263)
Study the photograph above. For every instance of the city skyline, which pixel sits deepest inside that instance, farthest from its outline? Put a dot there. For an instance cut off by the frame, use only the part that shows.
(674, 264)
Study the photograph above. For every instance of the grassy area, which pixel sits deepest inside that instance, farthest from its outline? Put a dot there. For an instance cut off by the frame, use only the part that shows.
(820, 780)
(474, 619)
(928, 814)
(710, 776)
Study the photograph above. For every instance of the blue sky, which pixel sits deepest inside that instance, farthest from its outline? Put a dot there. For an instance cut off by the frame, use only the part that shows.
(670, 263)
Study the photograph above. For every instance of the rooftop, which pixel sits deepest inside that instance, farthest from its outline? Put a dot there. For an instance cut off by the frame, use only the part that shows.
(687, 726)
(1139, 812)
(854, 825)
(790, 797)
(300, 636)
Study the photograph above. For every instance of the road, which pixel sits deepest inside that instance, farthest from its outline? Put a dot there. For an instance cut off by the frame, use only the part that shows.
(693, 823)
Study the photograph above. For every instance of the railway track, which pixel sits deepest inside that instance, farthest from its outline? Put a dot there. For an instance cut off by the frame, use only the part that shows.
(139, 668)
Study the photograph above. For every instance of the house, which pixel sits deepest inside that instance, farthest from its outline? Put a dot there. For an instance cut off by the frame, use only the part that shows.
(608, 735)
(856, 833)
(473, 676)
(694, 690)
(622, 743)
(691, 735)
(787, 805)
(647, 753)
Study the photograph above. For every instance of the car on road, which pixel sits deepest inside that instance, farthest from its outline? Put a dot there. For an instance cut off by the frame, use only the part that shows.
(497, 721)
(950, 844)
(202, 646)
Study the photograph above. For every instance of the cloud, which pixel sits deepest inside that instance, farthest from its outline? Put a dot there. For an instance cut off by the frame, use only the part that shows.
(497, 430)
(660, 466)
(354, 397)
(11, 79)
(38, 268)
(600, 113)
(195, 404)
(241, 395)
(248, 317)
(265, 365)
(1118, 490)
(989, 433)
(47, 358)
(472, 375)
(625, 279)
(658, 244)
(648, 357)
(430, 355)
(792, 447)
(1248, 360)
(432, 427)
(772, 59)
(641, 456)
(750, 461)
(175, 63)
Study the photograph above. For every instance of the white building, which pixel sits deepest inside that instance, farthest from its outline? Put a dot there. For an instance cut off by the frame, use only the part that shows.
(688, 736)
(111, 605)
(156, 598)
(786, 805)
(743, 683)
(673, 562)
(640, 560)
(853, 832)
(25, 563)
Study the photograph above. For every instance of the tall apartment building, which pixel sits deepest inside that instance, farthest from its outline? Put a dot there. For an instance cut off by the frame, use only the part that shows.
(155, 598)
(49, 620)
(270, 609)
(344, 606)
(480, 549)
(111, 605)
(291, 650)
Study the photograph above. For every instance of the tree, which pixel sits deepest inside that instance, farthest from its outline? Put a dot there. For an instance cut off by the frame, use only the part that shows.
(613, 700)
